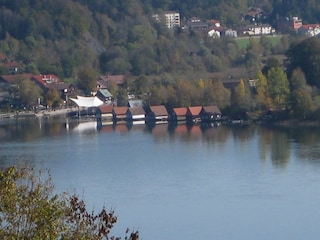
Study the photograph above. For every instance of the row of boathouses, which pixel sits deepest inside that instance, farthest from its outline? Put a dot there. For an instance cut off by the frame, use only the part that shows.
(157, 114)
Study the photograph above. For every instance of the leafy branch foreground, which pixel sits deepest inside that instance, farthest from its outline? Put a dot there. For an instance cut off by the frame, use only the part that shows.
(30, 210)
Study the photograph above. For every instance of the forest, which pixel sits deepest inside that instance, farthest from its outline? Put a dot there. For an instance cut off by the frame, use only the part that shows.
(175, 68)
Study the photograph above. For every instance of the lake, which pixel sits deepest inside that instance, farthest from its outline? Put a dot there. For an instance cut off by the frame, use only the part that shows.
(177, 182)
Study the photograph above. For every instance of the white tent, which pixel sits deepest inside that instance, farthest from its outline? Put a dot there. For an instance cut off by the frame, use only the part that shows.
(87, 101)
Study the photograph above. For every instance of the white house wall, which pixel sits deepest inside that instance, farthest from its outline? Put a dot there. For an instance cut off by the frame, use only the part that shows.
(135, 117)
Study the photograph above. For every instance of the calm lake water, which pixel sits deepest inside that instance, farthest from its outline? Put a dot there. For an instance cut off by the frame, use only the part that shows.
(226, 182)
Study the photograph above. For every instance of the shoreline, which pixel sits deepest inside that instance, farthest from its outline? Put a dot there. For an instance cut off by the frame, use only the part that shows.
(42, 113)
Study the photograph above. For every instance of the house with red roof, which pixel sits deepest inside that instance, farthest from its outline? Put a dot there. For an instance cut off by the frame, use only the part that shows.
(193, 114)
(45, 80)
(104, 113)
(136, 114)
(179, 114)
(119, 114)
(157, 114)
(309, 30)
(12, 80)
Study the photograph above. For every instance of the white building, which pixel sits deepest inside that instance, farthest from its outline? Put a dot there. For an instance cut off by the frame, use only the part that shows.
(214, 33)
(172, 20)
(263, 29)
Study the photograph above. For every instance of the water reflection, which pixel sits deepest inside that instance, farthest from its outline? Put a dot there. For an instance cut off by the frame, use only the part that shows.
(273, 142)
(229, 172)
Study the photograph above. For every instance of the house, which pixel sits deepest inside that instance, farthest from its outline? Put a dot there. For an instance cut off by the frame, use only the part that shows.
(51, 81)
(309, 30)
(193, 114)
(8, 81)
(229, 33)
(100, 85)
(196, 24)
(214, 23)
(105, 81)
(210, 113)
(136, 114)
(12, 67)
(104, 95)
(215, 32)
(171, 19)
(46, 79)
(104, 113)
(119, 114)
(179, 114)
(157, 114)
(287, 25)
(254, 30)
(254, 15)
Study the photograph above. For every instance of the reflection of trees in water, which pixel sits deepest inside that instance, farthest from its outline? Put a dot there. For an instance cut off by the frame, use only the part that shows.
(30, 129)
(278, 141)
(280, 150)
(216, 134)
(21, 129)
(265, 139)
(306, 136)
(308, 140)
(243, 133)
(274, 143)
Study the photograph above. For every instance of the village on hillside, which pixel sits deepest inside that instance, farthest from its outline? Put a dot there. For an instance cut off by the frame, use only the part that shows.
(103, 105)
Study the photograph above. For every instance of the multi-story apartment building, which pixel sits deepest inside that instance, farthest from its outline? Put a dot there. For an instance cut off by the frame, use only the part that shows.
(171, 19)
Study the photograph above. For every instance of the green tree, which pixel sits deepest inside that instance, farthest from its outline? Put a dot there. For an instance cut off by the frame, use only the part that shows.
(87, 79)
(122, 97)
(278, 86)
(298, 80)
(272, 62)
(158, 95)
(29, 209)
(221, 96)
(241, 96)
(29, 92)
(262, 97)
(301, 95)
(266, 43)
(253, 63)
(306, 55)
(52, 98)
(302, 104)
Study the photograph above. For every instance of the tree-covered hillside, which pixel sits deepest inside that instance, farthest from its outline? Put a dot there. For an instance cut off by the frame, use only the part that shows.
(121, 37)
(75, 39)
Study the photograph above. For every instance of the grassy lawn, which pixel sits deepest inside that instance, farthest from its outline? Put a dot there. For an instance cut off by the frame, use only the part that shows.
(244, 41)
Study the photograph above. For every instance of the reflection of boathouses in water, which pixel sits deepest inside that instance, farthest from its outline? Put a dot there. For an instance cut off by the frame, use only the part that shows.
(161, 132)
(194, 130)
(157, 120)
(153, 115)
